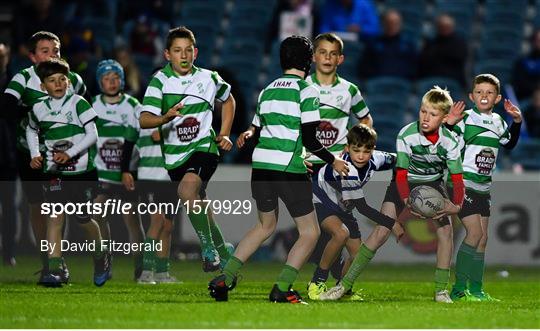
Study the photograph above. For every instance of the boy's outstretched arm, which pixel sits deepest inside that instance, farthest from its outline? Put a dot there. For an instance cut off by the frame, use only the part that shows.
(378, 217)
(33, 145)
(90, 138)
(149, 120)
(515, 128)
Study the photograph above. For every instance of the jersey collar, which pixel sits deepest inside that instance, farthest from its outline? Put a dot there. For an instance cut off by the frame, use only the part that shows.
(424, 141)
(64, 100)
(316, 81)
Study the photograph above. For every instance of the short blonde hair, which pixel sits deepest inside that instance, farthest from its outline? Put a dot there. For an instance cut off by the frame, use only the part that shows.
(438, 98)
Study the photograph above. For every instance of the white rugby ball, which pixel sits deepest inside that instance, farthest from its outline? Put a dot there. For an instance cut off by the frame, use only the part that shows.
(425, 200)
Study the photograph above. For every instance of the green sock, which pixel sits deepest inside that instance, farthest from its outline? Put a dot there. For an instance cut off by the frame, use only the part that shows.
(359, 264)
(162, 264)
(477, 273)
(202, 227)
(464, 261)
(55, 264)
(231, 269)
(286, 278)
(219, 242)
(441, 279)
(148, 262)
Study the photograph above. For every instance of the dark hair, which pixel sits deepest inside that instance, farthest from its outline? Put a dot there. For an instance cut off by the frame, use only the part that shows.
(487, 78)
(362, 135)
(50, 67)
(330, 37)
(180, 32)
(296, 52)
(39, 36)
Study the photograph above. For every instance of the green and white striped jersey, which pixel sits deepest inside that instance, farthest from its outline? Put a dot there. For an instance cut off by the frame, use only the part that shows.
(61, 128)
(115, 124)
(480, 136)
(338, 101)
(424, 160)
(283, 106)
(193, 131)
(151, 164)
(25, 86)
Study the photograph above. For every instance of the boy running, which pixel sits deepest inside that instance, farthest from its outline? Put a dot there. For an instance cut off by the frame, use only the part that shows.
(481, 133)
(23, 91)
(180, 100)
(286, 120)
(65, 123)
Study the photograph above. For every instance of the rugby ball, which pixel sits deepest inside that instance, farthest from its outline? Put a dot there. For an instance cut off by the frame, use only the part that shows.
(425, 200)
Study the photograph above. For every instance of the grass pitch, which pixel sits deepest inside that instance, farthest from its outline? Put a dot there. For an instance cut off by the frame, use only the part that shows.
(395, 297)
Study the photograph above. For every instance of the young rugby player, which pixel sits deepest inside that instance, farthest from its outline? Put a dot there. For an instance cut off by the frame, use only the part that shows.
(24, 90)
(180, 100)
(335, 198)
(481, 133)
(286, 120)
(65, 123)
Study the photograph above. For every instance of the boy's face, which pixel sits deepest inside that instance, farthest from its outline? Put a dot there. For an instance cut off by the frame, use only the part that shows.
(181, 55)
(110, 83)
(55, 85)
(327, 57)
(485, 96)
(360, 155)
(45, 49)
(430, 118)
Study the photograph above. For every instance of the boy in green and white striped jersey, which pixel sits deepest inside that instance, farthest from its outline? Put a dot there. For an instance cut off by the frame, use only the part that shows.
(481, 133)
(180, 100)
(339, 99)
(425, 148)
(22, 92)
(65, 122)
(286, 120)
(117, 129)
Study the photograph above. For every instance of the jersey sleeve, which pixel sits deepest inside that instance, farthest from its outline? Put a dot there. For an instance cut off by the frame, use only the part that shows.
(358, 104)
(403, 152)
(153, 97)
(85, 112)
(133, 127)
(384, 160)
(222, 87)
(16, 86)
(505, 136)
(78, 84)
(309, 104)
(256, 118)
(453, 158)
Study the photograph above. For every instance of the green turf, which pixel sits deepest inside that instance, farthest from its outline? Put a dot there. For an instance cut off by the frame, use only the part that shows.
(396, 297)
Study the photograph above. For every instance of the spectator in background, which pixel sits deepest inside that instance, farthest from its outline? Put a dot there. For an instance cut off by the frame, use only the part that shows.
(133, 80)
(358, 17)
(34, 16)
(293, 17)
(526, 74)
(445, 54)
(532, 115)
(8, 170)
(390, 54)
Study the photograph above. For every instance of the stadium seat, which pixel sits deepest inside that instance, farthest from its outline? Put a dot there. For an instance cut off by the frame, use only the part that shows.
(527, 152)
(104, 32)
(425, 84)
(388, 107)
(500, 68)
(383, 86)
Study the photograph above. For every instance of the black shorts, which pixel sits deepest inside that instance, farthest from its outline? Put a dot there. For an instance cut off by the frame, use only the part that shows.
(154, 191)
(79, 188)
(31, 179)
(474, 203)
(293, 189)
(346, 218)
(116, 191)
(200, 163)
(392, 195)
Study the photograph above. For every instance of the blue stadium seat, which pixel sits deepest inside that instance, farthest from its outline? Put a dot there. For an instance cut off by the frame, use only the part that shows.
(425, 84)
(202, 10)
(104, 32)
(384, 86)
(527, 153)
(500, 68)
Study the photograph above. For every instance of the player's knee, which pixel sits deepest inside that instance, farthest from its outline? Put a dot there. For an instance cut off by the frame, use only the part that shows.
(474, 237)
(311, 233)
(340, 235)
(168, 226)
(483, 241)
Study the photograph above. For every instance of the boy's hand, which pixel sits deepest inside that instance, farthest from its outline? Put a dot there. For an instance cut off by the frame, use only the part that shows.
(309, 166)
(61, 158)
(408, 205)
(512, 110)
(341, 166)
(36, 162)
(156, 137)
(128, 181)
(173, 112)
(241, 141)
(398, 231)
(449, 209)
(224, 142)
(456, 113)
